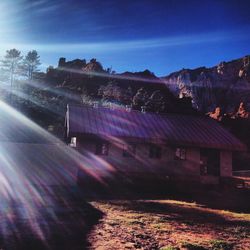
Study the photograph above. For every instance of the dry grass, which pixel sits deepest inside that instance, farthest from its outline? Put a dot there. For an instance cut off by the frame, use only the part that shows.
(168, 225)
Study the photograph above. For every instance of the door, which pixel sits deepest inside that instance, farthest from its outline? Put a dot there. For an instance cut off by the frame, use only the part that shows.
(210, 162)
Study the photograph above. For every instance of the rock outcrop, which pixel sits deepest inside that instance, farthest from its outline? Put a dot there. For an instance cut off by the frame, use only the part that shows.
(93, 66)
(224, 85)
(216, 115)
(241, 112)
(74, 64)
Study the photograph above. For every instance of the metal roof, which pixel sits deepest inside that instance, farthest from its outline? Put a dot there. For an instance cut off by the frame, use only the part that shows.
(173, 129)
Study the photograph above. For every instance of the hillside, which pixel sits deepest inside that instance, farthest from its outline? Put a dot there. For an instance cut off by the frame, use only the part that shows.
(83, 82)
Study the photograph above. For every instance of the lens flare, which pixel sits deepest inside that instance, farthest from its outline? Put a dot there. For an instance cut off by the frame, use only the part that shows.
(38, 179)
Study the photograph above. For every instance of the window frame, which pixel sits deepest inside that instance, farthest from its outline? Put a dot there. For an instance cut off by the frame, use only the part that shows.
(180, 153)
(129, 150)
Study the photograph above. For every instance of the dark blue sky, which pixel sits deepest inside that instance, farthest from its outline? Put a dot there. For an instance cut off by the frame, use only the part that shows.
(161, 35)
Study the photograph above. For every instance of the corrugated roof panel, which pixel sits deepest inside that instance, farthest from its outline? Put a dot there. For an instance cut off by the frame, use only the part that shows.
(139, 130)
(129, 126)
(107, 129)
(173, 128)
(155, 126)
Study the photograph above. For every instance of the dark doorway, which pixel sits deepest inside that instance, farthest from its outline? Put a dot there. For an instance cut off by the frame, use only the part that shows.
(210, 162)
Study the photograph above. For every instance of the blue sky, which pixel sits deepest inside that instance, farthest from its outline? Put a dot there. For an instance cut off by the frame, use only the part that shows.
(160, 35)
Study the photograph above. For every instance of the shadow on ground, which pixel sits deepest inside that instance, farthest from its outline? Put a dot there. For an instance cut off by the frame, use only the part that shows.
(58, 225)
(215, 197)
(180, 212)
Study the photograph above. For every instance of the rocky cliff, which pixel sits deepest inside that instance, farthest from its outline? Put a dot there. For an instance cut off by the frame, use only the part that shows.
(224, 85)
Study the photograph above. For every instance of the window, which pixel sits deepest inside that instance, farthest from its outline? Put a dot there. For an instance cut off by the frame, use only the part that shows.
(73, 142)
(129, 150)
(180, 154)
(154, 152)
(102, 148)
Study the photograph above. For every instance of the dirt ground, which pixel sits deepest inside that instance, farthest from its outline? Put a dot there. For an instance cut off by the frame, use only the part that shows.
(169, 224)
(214, 219)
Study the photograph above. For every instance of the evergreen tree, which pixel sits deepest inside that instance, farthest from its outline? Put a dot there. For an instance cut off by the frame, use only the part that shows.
(31, 63)
(11, 64)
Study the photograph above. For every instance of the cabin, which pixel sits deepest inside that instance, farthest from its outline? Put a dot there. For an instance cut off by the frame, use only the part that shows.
(123, 142)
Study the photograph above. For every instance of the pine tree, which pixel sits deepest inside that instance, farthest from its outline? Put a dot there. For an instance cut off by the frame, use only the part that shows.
(31, 63)
(11, 64)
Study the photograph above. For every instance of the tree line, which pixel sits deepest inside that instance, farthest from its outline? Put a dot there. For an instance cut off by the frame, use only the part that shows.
(14, 64)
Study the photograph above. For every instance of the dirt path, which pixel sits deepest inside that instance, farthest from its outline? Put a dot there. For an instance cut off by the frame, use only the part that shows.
(168, 224)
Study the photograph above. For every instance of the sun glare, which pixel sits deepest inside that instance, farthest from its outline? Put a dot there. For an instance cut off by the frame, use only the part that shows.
(4, 22)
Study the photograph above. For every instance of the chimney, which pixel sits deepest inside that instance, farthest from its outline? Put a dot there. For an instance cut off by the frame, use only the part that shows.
(143, 109)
